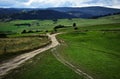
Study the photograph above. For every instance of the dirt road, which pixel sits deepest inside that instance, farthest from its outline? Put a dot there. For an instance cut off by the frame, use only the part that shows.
(15, 62)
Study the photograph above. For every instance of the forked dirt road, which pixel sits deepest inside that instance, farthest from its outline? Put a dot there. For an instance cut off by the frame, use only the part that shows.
(15, 62)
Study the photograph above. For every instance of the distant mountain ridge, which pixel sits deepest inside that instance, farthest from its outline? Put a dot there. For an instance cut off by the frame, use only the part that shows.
(88, 12)
(42, 14)
(57, 13)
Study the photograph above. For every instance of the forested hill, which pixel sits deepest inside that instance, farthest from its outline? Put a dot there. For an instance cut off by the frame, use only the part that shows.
(56, 13)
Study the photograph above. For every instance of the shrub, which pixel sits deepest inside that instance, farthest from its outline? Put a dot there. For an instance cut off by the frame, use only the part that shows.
(24, 31)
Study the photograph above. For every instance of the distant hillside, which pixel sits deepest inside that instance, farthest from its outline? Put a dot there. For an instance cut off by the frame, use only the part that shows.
(112, 17)
(36, 14)
(7, 12)
(4, 11)
(41, 14)
(88, 12)
(56, 13)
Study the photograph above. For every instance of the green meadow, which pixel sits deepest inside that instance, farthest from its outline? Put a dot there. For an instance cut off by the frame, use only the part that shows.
(94, 48)
(95, 52)
(44, 25)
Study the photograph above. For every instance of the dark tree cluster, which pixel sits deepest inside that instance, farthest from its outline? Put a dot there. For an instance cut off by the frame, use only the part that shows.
(3, 35)
(30, 31)
(108, 30)
(58, 27)
(24, 31)
(25, 24)
(55, 21)
(75, 26)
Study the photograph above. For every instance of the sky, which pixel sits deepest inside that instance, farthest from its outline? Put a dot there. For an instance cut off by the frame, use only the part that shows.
(58, 3)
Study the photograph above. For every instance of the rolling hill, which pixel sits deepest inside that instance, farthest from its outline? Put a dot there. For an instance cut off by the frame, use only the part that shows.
(57, 13)
(41, 14)
(34, 14)
(88, 12)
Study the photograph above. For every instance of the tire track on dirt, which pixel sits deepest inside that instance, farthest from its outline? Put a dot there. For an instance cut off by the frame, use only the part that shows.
(68, 64)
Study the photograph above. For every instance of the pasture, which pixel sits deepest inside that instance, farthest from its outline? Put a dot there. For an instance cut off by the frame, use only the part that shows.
(93, 48)
(94, 52)
(43, 25)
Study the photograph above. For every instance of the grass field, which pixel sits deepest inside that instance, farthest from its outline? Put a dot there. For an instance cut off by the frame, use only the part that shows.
(43, 66)
(114, 26)
(94, 52)
(18, 45)
(49, 24)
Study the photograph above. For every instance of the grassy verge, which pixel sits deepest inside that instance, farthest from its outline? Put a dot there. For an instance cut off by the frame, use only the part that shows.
(94, 52)
(14, 46)
(43, 66)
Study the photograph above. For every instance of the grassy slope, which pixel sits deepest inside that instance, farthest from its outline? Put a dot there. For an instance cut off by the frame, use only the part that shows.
(81, 51)
(113, 26)
(43, 66)
(9, 26)
(49, 24)
(94, 52)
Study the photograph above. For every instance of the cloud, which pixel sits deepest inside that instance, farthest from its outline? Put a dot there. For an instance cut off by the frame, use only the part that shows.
(12, 3)
(116, 3)
(58, 3)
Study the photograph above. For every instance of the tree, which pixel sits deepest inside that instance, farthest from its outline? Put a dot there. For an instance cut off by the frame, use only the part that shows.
(59, 26)
(24, 31)
(55, 30)
(30, 31)
(76, 28)
(69, 18)
(37, 24)
(55, 21)
(3, 35)
(46, 31)
(74, 24)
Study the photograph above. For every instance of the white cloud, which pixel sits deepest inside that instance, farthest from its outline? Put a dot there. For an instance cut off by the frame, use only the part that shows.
(116, 3)
(57, 3)
(60, 3)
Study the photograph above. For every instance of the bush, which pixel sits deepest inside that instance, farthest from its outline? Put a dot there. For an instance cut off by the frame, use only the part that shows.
(30, 31)
(59, 26)
(74, 24)
(3, 35)
(24, 31)
(76, 28)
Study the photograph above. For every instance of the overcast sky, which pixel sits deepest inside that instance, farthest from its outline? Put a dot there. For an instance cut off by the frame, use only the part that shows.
(58, 3)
